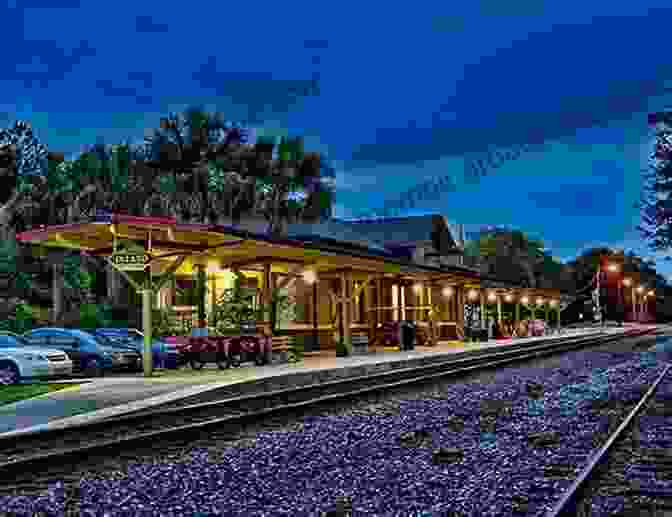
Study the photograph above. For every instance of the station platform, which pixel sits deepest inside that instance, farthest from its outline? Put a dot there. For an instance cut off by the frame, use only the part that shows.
(109, 397)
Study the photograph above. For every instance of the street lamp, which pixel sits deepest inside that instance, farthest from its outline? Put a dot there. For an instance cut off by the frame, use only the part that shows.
(628, 283)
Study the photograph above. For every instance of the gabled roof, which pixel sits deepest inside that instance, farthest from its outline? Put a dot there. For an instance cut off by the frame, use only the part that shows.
(333, 230)
(407, 231)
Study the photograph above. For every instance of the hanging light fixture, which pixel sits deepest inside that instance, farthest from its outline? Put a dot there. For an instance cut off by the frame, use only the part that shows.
(309, 276)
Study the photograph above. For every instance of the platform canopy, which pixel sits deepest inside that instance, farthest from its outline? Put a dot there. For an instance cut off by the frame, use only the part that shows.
(165, 239)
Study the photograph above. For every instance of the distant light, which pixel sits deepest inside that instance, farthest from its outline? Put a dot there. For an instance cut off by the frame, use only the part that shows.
(473, 294)
(508, 298)
(612, 267)
(640, 289)
(417, 287)
(448, 291)
(525, 299)
(651, 293)
(627, 282)
(492, 297)
(553, 303)
(540, 301)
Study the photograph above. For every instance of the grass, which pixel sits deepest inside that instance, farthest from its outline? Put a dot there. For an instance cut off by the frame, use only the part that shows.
(17, 392)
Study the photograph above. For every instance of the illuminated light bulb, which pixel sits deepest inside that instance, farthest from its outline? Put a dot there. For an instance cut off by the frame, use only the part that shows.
(309, 276)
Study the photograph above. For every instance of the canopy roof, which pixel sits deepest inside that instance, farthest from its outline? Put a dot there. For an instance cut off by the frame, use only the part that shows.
(232, 247)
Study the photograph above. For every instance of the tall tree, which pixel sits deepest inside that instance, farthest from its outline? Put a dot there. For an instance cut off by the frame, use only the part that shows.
(509, 254)
(656, 203)
(23, 164)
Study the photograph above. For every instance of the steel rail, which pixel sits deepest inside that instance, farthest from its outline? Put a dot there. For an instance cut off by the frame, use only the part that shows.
(33, 450)
(568, 504)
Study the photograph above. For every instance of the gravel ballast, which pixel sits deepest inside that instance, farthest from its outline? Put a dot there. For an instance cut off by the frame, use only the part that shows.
(502, 442)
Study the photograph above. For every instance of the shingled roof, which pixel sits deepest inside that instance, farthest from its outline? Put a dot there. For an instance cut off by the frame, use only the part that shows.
(396, 232)
(333, 230)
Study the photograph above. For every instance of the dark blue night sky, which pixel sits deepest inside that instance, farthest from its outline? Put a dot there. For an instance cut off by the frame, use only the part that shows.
(394, 92)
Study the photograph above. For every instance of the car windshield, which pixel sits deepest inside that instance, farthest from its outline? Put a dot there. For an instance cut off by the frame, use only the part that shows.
(115, 341)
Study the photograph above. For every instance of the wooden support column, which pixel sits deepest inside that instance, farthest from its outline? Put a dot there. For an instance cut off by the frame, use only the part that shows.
(482, 299)
(517, 312)
(432, 317)
(266, 298)
(459, 308)
(200, 289)
(346, 289)
(379, 300)
(370, 315)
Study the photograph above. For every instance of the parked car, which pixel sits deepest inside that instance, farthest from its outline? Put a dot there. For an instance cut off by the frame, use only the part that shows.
(19, 360)
(164, 354)
(90, 353)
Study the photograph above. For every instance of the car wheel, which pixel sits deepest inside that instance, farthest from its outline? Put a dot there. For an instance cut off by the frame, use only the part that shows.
(93, 368)
(196, 363)
(9, 373)
(260, 359)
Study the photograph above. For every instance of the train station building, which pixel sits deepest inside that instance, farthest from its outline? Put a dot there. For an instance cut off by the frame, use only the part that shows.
(347, 280)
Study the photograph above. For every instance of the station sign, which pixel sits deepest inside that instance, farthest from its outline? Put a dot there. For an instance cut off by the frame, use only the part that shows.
(132, 258)
(131, 261)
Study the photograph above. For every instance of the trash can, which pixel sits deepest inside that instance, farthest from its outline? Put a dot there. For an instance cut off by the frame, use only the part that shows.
(408, 332)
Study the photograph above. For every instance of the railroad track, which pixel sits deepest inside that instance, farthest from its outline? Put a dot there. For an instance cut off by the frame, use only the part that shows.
(631, 474)
(26, 457)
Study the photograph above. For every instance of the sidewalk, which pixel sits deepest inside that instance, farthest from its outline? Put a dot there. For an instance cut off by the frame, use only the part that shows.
(110, 397)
